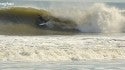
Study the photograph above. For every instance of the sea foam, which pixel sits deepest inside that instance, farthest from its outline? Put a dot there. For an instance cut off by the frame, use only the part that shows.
(97, 18)
(61, 48)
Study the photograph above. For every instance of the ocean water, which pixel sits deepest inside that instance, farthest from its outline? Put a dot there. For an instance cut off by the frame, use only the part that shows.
(60, 52)
(82, 65)
(59, 35)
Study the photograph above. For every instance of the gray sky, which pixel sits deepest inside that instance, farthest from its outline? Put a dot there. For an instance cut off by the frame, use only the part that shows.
(82, 0)
(70, 0)
(87, 0)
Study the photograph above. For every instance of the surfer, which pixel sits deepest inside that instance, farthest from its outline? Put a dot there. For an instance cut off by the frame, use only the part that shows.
(41, 22)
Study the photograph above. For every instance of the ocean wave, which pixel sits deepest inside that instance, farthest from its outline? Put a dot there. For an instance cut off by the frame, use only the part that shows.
(99, 18)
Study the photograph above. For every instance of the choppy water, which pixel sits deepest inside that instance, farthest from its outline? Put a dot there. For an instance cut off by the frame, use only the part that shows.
(86, 65)
(77, 52)
(61, 48)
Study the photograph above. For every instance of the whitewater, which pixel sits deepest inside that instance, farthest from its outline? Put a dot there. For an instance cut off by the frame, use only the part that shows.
(81, 52)
(75, 38)
(61, 48)
(98, 18)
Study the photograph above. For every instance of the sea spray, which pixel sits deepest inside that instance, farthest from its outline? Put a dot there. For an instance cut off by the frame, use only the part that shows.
(97, 18)
(103, 19)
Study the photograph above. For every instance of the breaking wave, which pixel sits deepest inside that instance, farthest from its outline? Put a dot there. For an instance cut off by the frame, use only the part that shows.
(99, 18)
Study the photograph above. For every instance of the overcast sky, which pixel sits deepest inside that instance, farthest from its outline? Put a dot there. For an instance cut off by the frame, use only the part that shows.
(70, 0)
(88, 0)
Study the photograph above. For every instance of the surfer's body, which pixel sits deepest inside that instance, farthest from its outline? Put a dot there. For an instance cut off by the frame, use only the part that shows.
(41, 22)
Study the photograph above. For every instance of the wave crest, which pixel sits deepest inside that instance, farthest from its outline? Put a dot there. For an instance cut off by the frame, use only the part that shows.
(99, 18)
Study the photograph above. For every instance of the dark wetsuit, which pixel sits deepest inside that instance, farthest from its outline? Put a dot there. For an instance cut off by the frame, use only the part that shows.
(41, 22)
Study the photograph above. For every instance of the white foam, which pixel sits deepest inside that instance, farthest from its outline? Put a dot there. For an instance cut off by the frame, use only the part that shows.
(96, 18)
(102, 18)
(60, 48)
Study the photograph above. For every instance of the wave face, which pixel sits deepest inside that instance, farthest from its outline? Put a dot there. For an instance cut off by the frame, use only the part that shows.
(97, 18)
(30, 21)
